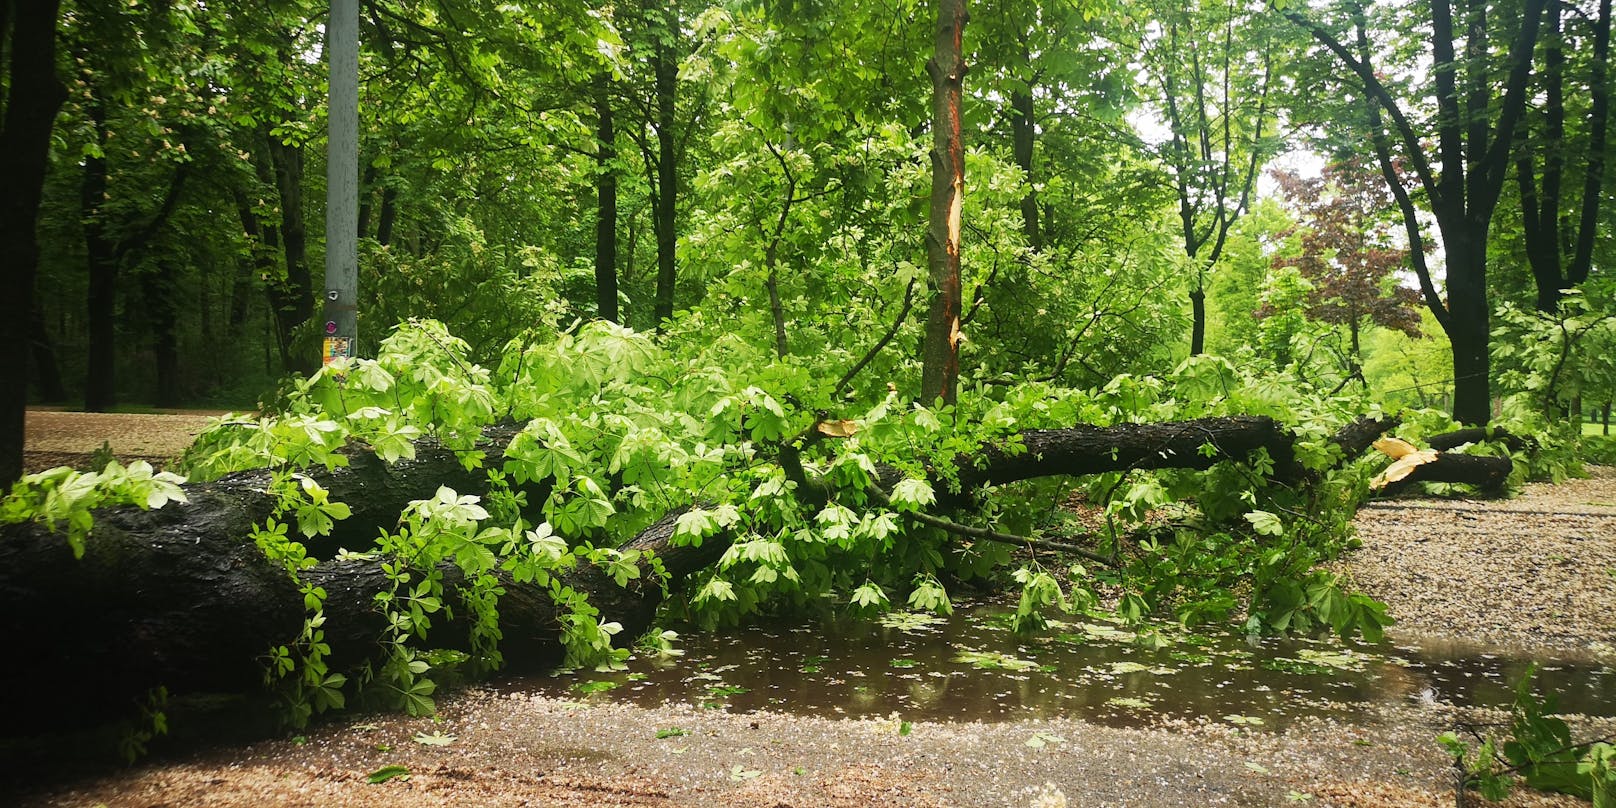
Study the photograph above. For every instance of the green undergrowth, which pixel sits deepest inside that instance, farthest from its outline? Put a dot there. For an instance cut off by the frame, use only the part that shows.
(1538, 751)
(815, 490)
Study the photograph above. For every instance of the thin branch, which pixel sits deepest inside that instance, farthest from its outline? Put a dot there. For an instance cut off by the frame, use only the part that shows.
(903, 314)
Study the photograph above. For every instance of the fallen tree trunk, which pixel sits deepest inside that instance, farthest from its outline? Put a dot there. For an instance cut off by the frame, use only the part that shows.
(180, 597)
(1487, 474)
(175, 597)
(1095, 450)
(1478, 434)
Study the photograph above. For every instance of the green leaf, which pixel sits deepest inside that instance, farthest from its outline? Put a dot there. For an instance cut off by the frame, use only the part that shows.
(386, 773)
(911, 495)
(1266, 523)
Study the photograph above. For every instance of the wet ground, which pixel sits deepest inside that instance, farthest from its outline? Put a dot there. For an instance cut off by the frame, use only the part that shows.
(972, 667)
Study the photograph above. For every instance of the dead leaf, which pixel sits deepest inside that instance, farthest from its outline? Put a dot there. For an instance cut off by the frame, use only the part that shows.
(1394, 448)
(837, 429)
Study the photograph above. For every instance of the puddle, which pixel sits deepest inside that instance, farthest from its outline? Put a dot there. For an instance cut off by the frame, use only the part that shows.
(971, 667)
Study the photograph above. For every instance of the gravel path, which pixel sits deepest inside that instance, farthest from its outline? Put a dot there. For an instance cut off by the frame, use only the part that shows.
(516, 749)
(1534, 572)
(1529, 572)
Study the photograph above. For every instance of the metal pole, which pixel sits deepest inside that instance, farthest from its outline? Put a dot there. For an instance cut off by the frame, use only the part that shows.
(341, 321)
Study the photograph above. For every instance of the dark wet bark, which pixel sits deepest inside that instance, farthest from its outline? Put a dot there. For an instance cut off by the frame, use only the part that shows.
(1196, 444)
(180, 596)
(1024, 128)
(1459, 437)
(162, 313)
(1487, 474)
(110, 244)
(291, 293)
(33, 95)
(389, 215)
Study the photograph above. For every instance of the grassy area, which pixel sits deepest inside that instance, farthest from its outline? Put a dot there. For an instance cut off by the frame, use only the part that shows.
(1593, 428)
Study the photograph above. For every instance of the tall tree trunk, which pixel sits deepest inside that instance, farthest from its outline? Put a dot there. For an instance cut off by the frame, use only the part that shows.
(1468, 327)
(1599, 119)
(606, 200)
(1198, 315)
(940, 356)
(666, 199)
(100, 249)
(389, 215)
(1540, 204)
(47, 372)
(158, 288)
(291, 295)
(263, 242)
(1024, 128)
(241, 292)
(110, 242)
(1462, 183)
(33, 95)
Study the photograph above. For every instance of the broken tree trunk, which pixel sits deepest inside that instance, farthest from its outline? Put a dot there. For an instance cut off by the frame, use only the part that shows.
(180, 597)
(1487, 474)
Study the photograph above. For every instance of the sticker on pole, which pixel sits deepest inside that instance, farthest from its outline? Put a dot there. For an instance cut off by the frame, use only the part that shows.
(337, 348)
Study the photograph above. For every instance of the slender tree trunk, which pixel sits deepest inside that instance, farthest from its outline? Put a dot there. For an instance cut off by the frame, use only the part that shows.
(606, 201)
(47, 372)
(1540, 204)
(665, 216)
(241, 292)
(291, 296)
(1198, 317)
(263, 242)
(389, 215)
(1599, 118)
(100, 249)
(1024, 125)
(158, 289)
(940, 358)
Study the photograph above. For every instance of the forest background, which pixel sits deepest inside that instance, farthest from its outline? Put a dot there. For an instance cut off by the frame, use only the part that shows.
(762, 170)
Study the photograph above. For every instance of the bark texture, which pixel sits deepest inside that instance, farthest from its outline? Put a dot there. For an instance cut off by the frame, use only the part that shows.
(180, 597)
(33, 94)
(940, 359)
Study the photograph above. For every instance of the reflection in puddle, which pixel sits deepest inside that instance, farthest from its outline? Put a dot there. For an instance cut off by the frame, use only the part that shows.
(971, 667)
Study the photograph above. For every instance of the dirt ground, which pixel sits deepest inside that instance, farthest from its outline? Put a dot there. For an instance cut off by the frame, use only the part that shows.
(59, 438)
(1534, 572)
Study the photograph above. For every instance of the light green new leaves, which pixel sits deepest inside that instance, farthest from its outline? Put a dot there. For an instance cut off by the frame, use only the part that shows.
(870, 596)
(316, 514)
(62, 495)
(450, 506)
(578, 507)
(911, 495)
(1266, 523)
(541, 451)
